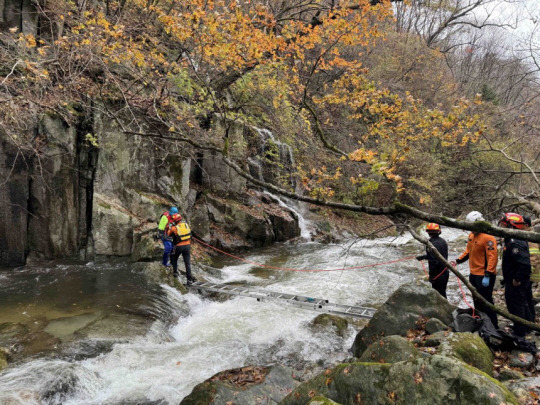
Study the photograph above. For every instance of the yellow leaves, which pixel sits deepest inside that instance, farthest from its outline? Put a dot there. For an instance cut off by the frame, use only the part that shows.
(418, 377)
(363, 155)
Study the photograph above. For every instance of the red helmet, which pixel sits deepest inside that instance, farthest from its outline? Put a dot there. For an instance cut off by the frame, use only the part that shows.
(176, 218)
(513, 220)
(433, 227)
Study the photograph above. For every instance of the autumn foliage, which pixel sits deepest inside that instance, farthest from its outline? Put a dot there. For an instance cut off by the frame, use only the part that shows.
(171, 67)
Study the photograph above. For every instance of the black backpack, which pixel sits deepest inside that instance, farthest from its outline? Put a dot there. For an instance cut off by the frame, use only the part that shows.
(496, 339)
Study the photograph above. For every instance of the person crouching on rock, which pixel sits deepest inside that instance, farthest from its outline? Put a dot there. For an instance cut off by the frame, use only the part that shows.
(181, 234)
(438, 272)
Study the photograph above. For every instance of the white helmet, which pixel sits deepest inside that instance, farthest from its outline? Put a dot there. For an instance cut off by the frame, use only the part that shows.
(474, 216)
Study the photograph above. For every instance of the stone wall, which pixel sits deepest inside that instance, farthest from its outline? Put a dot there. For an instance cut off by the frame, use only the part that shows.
(65, 198)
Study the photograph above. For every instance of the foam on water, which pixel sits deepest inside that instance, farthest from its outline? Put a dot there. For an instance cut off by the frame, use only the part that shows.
(214, 336)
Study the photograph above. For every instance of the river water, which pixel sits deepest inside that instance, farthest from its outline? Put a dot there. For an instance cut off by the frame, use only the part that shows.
(104, 334)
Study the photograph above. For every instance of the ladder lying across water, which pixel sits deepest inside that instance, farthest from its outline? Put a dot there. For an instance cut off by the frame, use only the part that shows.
(317, 304)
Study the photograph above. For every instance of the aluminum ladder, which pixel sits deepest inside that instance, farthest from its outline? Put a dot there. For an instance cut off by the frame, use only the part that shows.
(317, 304)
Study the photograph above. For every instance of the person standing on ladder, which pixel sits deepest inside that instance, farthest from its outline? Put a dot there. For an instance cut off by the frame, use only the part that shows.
(181, 234)
(163, 225)
(438, 272)
(516, 267)
(481, 252)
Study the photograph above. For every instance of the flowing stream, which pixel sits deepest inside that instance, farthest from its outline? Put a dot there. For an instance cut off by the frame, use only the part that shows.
(104, 334)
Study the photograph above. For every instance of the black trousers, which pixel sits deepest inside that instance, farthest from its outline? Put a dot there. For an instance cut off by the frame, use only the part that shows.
(487, 293)
(440, 282)
(185, 251)
(517, 304)
(530, 302)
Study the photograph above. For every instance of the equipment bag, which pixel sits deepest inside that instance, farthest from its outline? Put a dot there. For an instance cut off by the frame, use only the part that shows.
(496, 339)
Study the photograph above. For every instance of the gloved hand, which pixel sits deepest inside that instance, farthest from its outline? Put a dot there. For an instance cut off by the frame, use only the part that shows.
(419, 258)
(485, 281)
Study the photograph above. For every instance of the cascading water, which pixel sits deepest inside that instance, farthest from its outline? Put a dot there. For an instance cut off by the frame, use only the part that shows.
(306, 227)
(190, 338)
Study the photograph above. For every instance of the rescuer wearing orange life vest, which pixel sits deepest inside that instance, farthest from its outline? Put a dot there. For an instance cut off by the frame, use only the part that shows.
(181, 234)
(438, 272)
(516, 267)
(481, 252)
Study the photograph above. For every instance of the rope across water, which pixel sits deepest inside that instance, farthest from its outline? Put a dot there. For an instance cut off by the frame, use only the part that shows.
(329, 270)
(300, 270)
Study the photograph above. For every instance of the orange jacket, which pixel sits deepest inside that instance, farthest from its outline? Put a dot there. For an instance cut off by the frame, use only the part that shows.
(174, 229)
(481, 252)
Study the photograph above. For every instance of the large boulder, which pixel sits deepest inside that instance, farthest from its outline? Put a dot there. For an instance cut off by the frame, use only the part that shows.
(401, 311)
(246, 385)
(390, 349)
(113, 228)
(322, 321)
(469, 348)
(434, 380)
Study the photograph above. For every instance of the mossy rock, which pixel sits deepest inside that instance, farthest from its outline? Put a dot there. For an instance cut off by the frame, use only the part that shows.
(325, 320)
(390, 349)
(436, 339)
(319, 400)
(246, 385)
(470, 348)
(156, 273)
(508, 374)
(3, 359)
(401, 312)
(434, 380)
(435, 325)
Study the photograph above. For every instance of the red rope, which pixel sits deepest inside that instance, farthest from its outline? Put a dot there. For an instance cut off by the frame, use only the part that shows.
(465, 298)
(306, 270)
(440, 274)
(342, 269)
(424, 268)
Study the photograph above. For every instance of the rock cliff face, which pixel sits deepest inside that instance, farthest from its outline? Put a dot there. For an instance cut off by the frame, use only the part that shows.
(68, 198)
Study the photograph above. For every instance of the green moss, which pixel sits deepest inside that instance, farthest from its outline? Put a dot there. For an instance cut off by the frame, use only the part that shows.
(3, 361)
(339, 323)
(202, 394)
(471, 349)
(320, 400)
(104, 205)
(509, 398)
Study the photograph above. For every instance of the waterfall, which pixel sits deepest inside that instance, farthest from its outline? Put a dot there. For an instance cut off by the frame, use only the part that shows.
(306, 226)
(285, 156)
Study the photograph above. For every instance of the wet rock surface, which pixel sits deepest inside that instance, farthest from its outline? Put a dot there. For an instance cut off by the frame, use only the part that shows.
(247, 385)
(434, 380)
(401, 312)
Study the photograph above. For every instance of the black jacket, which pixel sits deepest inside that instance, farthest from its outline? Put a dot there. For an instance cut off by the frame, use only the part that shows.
(435, 267)
(516, 260)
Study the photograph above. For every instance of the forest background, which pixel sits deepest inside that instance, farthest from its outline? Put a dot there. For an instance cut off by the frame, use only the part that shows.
(428, 104)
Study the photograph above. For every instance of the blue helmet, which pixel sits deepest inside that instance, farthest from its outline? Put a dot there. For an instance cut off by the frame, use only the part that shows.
(173, 210)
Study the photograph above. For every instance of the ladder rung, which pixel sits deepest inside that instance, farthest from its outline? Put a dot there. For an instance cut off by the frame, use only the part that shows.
(317, 304)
